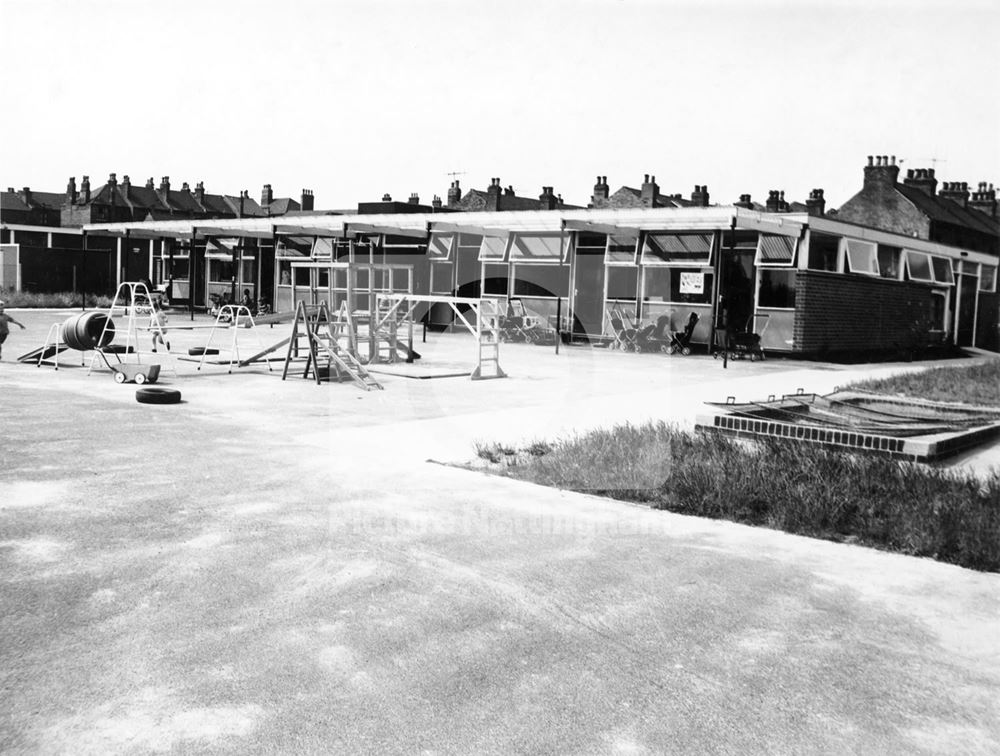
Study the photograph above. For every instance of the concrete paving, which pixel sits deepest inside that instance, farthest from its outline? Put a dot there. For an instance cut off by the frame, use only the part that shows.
(277, 567)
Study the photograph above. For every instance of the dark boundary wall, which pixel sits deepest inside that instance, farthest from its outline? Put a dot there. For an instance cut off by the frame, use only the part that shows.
(838, 313)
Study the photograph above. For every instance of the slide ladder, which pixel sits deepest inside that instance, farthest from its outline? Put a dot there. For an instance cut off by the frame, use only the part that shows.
(322, 335)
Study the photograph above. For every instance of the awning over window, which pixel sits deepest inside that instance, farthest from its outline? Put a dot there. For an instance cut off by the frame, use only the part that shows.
(773, 249)
(493, 249)
(918, 266)
(862, 257)
(537, 248)
(621, 249)
(942, 270)
(322, 247)
(294, 246)
(440, 246)
(687, 249)
(221, 249)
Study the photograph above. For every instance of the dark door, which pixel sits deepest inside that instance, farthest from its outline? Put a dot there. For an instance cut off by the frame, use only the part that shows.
(736, 290)
(588, 298)
(966, 286)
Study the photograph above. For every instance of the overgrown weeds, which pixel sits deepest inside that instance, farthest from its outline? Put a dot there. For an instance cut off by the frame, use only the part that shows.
(799, 488)
(974, 384)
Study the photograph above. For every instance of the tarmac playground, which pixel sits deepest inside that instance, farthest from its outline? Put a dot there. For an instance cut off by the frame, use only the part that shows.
(274, 566)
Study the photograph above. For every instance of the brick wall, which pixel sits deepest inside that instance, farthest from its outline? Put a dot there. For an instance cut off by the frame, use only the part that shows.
(845, 313)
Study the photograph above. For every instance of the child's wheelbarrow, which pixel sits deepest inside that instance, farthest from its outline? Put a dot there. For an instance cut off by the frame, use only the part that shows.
(134, 373)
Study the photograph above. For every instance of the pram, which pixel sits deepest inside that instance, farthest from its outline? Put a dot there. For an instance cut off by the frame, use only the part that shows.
(680, 341)
(740, 344)
(518, 325)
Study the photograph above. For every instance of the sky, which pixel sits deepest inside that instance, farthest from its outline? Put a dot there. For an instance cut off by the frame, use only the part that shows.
(357, 99)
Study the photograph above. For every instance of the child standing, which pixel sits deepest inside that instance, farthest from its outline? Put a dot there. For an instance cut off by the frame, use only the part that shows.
(158, 323)
(4, 327)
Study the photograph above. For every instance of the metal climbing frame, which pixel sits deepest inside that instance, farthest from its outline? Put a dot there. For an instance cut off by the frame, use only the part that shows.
(356, 288)
(237, 318)
(133, 300)
(485, 311)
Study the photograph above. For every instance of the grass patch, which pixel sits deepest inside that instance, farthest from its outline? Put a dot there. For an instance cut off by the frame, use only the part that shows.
(974, 384)
(61, 299)
(799, 488)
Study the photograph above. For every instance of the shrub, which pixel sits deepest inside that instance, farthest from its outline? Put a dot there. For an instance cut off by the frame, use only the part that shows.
(52, 300)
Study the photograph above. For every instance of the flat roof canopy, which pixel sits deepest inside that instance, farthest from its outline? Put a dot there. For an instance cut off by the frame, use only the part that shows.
(612, 221)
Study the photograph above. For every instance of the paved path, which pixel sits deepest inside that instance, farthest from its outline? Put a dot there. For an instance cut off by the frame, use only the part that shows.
(275, 567)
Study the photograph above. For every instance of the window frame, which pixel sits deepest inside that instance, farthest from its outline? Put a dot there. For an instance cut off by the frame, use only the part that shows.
(911, 254)
(647, 258)
(758, 262)
(872, 256)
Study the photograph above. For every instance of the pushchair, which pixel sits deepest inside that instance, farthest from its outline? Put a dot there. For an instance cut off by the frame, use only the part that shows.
(625, 336)
(517, 325)
(680, 341)
(740, 344)
(654, 338)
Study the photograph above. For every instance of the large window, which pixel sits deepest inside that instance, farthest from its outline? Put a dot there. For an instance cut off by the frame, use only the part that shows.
(493, 248)
(622, 280)
(440, 246)
(677, 285)
(541, 281)
(823, 252)
(777, 288)
(495, 278)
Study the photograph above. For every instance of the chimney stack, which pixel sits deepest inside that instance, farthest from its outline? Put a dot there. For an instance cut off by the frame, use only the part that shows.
(308, 200)
(956, 191)
(547, 199)
(165, 186)
(454, 194)
(922, 179)
(601, 192)
(186, 187)
(26, 196)
(493, 195)
(744, 202)
(414, 198)
(773, 201)
(650, 191)
(816, 204)
(985, 199)
(436, 202)
(199, 192)
(882, 173)
(150, 184)
(85, 189)
(71, 191)
(387, 197)
(699, 197)
(266, 196)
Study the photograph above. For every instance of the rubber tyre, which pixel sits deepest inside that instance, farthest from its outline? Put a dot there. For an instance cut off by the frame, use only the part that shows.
(140, 378)
(199, 351)
(151, 395)
(119, 377)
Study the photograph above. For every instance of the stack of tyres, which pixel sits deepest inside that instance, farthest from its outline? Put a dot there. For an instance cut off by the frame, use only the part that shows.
(88, 330)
